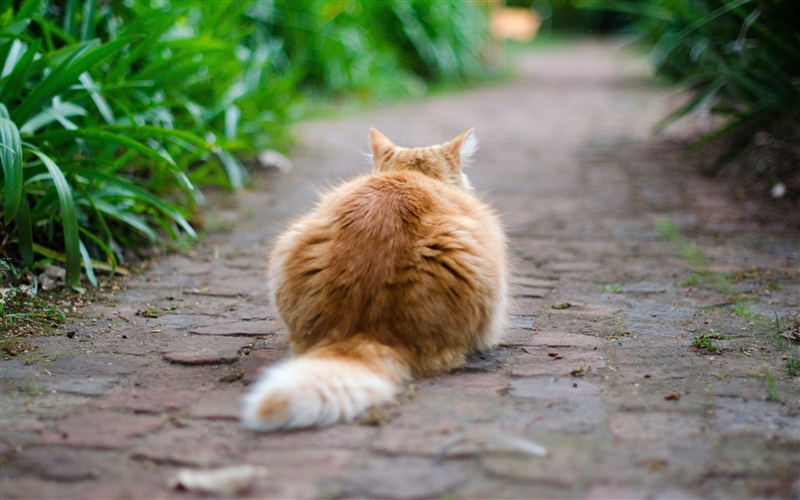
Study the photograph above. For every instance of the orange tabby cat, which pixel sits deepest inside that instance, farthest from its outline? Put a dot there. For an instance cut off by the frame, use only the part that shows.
(394, 275)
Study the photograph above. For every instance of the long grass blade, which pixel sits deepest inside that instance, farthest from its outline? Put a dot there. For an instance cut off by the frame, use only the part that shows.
(110, 258)
(66, 74)
(60, 257)
(25, 231)
(69, 221)
(87, 263)
(139, 193)
(13, 82)
(11, 156)
(57, 137)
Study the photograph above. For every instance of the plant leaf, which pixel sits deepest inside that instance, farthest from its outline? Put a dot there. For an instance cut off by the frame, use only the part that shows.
(11, 156)
(25, 231)
(13, 82)
(69, 221)
(87, 264)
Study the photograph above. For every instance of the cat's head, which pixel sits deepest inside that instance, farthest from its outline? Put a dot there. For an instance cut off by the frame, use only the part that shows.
(443, 161)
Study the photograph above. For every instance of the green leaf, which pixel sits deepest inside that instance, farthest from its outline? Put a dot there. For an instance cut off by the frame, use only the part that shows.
(60, 257)
(28, 9)
(59, 112)
(87, 264)
(56, 137)
(13, 82)
(65, 74)
(138, 193)
(11, 156)
(25, 231)
(127, 218)
(107, 250)
(98, 99)
(69, 221)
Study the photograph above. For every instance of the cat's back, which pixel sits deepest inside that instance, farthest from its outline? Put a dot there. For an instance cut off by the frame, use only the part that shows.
(394, 206)
(385, 248)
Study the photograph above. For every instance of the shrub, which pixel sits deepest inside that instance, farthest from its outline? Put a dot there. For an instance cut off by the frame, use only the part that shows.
(381, 49)
(741, 58)
(107, 128)
(113, 114)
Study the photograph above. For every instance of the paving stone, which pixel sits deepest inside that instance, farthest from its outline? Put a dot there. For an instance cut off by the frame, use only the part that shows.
(241, 328)
(405, 477)
(530, 282)
(224, 404)
(549, 339)
(57, 463)
(204, 350)
(310, 465)
(560, 389)
(340, 436)
(155, 400)
(524, 306)
(97, 385)
(179, 321)
(658, 426)
(254, 363)
(572, 267)
(101, 429)
(763, 418)
(16, 369)
(520, 291)
(646, 287)
(97, 364)
(539, 362)
(485, 361)
(194, 444)
(478, 383)
(520, 322)
(547, 416)
(589, 310)
(566, 455)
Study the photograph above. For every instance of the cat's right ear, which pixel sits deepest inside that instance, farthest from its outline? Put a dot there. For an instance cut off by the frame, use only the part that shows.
(380, 145)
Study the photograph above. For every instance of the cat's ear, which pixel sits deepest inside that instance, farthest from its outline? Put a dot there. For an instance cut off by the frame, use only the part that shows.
(464, 146)
(380, 145)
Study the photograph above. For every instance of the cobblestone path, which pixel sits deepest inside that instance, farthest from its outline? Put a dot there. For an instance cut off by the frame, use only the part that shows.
(598, 365)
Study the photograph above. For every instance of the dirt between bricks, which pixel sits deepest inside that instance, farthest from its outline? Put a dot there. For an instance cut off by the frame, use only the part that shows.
(607, 362)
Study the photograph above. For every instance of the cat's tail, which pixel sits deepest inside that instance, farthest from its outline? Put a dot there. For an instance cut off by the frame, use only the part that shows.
(329, 384)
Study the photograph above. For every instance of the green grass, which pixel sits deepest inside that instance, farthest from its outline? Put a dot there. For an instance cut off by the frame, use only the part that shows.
(772, 391)
(36, 389)
(612, 288)
(704, 341)
(744, 309)
(793, 367)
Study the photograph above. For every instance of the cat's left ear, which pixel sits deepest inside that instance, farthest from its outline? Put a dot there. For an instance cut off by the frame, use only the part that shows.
(464, 146)
(380, 145)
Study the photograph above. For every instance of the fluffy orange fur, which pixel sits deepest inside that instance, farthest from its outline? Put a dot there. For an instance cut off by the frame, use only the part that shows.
(396, 274)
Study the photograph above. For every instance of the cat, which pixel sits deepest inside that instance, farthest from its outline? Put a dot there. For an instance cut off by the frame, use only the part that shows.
(395, 275)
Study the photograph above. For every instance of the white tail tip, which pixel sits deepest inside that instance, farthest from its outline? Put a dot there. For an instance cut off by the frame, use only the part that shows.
(310, 391)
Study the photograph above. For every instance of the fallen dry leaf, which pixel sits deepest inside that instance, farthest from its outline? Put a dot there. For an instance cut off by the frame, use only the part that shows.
(225, 481)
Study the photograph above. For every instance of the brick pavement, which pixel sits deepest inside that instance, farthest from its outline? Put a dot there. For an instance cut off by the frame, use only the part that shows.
(608, 384)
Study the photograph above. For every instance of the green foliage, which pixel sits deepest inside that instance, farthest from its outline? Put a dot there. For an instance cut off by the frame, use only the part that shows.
(742, 60)
(381, 49)
(704, 341)
(772, 391)
(793, 367)
(114, 114)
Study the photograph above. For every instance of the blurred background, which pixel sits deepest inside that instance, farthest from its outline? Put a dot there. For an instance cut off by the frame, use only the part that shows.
(116, 114)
